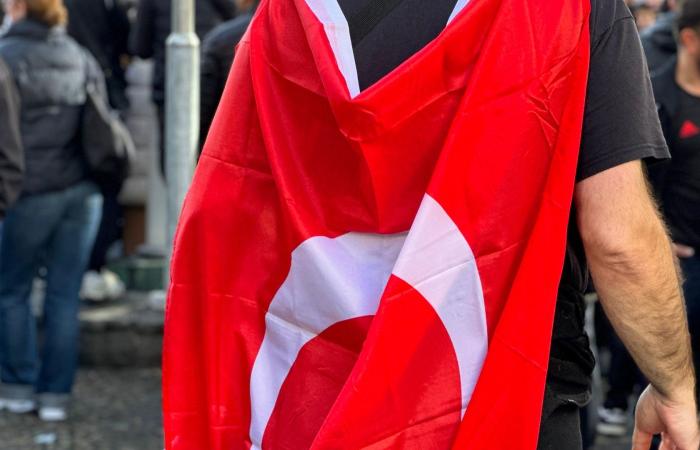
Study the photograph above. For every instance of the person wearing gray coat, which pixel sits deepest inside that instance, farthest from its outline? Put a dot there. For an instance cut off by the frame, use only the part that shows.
(54, 221)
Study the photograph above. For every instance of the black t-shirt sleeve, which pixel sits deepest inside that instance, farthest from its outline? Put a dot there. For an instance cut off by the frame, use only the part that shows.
(621, 123)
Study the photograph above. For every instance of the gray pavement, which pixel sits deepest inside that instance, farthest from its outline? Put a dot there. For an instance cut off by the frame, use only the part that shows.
(115, 409)
(613, 444)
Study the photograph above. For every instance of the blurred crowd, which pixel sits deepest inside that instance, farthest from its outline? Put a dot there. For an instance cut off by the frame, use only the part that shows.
(62, 225)
(646, 12)
(65, 154)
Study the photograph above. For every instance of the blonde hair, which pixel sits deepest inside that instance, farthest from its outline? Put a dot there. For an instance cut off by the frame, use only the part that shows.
(49, 12)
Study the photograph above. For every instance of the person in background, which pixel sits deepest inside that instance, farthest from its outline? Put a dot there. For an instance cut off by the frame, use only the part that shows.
(152, 29)
(218, 49)
(102, 27)
(55, 220)
(5, 24)
(654, 5)
(644, 15)
(677, 182)
(11, 158)
(658, 40)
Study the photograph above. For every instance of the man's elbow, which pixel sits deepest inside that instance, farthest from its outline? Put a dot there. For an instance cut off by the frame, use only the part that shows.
(619, 222)
(627, 248)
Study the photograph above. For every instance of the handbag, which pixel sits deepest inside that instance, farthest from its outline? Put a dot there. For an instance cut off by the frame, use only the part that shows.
(107, 144)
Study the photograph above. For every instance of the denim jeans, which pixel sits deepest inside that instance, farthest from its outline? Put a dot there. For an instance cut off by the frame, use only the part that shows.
(55, 230)
(623, 376)
(691, 290)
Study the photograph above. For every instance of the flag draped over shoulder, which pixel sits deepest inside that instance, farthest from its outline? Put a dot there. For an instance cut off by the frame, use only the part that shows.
(378, 269)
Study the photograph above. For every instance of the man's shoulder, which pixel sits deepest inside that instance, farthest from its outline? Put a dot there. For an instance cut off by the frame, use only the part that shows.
(605, 14)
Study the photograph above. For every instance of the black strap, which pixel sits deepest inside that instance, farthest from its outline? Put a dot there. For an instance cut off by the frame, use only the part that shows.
(362, 23)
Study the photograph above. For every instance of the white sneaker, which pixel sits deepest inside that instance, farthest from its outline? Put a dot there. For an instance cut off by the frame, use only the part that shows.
(114, 287)
(53, 413)
(613, 422)
(93, 287)
(17, 406)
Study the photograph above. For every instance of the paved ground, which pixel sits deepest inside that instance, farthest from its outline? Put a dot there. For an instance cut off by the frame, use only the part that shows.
(613, 444)
(114, 410)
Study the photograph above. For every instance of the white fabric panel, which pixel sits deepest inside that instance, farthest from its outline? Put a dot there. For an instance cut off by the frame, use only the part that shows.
(458, 9)
(330, 281)
(438, 262)
(334, 23)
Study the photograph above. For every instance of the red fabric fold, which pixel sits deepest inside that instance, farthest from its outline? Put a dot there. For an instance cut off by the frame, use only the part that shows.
(486, 121)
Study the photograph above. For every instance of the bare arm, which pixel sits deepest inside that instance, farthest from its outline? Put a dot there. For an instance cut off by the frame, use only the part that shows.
(634, 271)
(636, 276)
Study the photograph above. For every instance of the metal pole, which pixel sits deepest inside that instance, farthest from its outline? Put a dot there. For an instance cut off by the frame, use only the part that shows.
(181, 110)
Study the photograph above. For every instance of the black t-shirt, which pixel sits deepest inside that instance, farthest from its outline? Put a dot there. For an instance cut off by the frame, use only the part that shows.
(620, 125)
(681, 191)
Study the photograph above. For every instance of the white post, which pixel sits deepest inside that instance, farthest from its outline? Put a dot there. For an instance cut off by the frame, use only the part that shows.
(181, 110)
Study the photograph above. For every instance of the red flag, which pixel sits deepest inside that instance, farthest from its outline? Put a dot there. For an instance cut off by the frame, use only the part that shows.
(378, 269)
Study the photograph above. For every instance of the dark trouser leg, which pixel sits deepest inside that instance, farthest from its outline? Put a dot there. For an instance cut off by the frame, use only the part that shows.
(27, 230)
(623, 375)
(561, 425)
(691, 290)
(110, 230)
(66, 259)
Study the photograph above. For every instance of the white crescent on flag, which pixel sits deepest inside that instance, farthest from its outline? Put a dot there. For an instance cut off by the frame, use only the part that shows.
(333, 280)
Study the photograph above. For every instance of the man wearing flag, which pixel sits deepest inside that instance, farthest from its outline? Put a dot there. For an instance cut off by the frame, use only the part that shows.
(371, 253)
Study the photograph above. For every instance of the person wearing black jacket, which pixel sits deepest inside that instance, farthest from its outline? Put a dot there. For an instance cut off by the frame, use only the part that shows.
(218, 49)
(11, 158)
(55, 220)
(153, 27)
(102, 27)
(151, 31)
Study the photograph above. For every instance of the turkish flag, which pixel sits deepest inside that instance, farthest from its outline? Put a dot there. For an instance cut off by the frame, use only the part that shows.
(378, 269)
